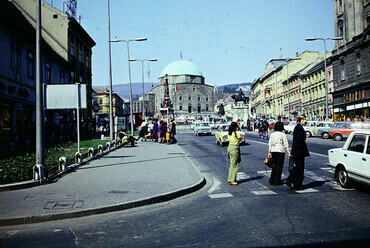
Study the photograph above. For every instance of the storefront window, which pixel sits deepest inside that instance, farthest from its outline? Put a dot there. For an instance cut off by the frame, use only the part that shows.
(5, 119)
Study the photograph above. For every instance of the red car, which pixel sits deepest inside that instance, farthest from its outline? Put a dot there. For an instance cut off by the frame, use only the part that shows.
(339, 134)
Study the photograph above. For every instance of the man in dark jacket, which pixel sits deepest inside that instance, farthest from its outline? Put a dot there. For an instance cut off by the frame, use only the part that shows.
(299, 152)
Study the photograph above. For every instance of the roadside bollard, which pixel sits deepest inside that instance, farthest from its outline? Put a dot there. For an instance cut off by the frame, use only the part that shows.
(114, 143)
(78, 157)
(100, 149)
(39, 173)
(62, 163)
(108, 145)
(168, 137)
(91, 152)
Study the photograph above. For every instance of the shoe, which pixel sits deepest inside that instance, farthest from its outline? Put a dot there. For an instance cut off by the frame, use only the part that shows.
(233, 183)
(298, 188)
(289, 184)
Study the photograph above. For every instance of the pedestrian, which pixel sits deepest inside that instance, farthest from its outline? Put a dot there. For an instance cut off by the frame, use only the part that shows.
(299, 152)
(172, 132)
(233, 151)
(156, 130)
(163, 131)
(277, 143)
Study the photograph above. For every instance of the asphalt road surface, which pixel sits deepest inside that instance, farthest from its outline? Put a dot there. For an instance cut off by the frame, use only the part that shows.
(251, 214)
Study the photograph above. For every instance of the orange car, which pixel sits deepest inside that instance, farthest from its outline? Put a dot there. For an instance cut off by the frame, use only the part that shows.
(339, 134)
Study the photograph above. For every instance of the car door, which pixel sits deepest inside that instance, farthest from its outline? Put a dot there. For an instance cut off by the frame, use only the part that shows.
(357, 161)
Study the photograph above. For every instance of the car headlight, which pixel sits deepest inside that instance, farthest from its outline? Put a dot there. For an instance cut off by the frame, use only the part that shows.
(225, 137)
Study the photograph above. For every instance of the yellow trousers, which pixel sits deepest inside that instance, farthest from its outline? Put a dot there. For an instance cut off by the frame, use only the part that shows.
(233, 152)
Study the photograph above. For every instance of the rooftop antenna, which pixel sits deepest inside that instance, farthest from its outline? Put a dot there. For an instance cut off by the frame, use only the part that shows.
(281, 53)
(181, 55)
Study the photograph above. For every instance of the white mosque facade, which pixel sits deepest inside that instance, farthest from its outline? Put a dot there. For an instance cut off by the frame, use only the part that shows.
(187, 90)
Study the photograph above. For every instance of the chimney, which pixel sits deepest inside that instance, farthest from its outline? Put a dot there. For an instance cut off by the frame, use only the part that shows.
(296, 54)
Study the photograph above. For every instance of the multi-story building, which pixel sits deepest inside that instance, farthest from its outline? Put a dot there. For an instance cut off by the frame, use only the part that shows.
(270, 91)
(70, 41)
(18, 80)
(101, 98)
(351, 59)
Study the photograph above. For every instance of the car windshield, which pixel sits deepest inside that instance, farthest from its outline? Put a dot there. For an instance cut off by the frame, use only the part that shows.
(202, 124)
(226, 128)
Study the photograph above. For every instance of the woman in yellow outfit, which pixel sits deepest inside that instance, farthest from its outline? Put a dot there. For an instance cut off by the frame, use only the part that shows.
(234, 153)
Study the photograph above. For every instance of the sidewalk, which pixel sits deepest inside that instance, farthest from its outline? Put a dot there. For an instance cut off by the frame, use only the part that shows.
(122, 179)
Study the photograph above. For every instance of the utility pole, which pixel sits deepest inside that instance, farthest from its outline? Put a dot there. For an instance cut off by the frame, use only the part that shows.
(40, 158)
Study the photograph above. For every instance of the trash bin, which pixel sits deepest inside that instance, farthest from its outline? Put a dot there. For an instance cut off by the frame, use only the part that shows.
(168, 137)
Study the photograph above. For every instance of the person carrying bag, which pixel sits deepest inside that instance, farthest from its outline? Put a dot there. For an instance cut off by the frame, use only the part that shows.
(277, 143)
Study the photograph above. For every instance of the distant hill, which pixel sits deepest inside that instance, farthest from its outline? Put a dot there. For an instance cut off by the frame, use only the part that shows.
(234, 86)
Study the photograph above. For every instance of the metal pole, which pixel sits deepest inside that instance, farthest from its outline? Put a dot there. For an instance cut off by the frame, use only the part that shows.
(326, 85)
(142, 78)
(129, 78)
(110, 82)
(78, 118)
(40, 159)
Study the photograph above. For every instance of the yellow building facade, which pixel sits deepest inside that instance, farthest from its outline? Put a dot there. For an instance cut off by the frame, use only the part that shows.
(270, 91)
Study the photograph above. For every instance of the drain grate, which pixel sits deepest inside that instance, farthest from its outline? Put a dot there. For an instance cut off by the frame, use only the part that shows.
(64, 204)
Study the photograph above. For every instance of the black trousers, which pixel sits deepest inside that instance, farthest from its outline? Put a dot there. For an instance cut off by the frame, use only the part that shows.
(278, 159)
(296, 176)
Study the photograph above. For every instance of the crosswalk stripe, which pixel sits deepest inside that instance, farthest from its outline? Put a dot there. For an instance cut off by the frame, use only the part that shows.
(221, 195)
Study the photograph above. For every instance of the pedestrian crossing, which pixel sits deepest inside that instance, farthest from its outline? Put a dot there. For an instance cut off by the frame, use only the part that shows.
(257, 184)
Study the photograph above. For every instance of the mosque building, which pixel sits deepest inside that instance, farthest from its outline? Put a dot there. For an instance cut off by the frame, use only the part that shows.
(182, 84)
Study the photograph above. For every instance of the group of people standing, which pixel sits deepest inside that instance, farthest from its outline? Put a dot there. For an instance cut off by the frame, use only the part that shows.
(278, 143)
(157, 132)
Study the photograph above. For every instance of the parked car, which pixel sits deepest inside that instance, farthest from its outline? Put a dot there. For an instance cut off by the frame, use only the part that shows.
(325, 131)
(290, 127)
(339, 134)
(202, 128)
(310, 128)
(222, 135)
(352, 161)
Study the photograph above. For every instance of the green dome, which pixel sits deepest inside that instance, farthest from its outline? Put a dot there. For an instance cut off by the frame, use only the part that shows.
(181, 67)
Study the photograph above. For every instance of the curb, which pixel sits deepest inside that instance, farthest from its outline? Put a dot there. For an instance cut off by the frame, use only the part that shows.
(106, 209)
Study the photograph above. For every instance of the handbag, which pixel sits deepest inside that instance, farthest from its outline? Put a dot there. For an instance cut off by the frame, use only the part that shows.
(268, 162)
(291, 164)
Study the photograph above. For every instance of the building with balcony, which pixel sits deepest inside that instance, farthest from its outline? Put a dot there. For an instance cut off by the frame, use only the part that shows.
(351, 60)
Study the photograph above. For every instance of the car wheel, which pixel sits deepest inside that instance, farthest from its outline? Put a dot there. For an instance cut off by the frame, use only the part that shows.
(325, 135)
(308, 134)
(216, 142)
(343, 177)
(337, 137)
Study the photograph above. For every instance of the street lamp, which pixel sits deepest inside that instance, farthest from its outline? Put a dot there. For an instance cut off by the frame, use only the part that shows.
(326, 82)
(129, 76)
(142, 78)
(287, 82)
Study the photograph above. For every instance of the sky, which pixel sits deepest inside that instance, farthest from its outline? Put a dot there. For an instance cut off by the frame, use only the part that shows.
(231, 41)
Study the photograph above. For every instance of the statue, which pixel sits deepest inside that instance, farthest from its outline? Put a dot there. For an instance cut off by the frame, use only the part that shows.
(240, 97)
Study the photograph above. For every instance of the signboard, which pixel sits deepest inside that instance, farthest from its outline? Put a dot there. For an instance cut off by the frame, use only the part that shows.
(65, 96)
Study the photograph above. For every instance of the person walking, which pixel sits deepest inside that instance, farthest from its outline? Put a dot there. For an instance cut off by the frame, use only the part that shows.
(234, 153)
(172, 131)
(299, 152)
(155, 129)
(163, 131)
(277, 143)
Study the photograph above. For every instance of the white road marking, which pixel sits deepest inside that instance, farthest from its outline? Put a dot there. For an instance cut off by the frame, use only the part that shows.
(264, 192)
(216, 185)
(222, 195)
(310, 190)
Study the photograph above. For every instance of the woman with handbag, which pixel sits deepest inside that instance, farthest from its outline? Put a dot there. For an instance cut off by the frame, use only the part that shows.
(299, 152)
(234, 153)
(277, 143)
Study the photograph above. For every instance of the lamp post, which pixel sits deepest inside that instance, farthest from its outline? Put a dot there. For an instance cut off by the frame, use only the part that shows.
(287, 82)
(326, 82)
(129, 75)
(142, 78)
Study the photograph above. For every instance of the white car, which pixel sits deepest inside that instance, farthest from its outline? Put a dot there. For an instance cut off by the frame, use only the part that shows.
(202, 128)
(352, 162)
